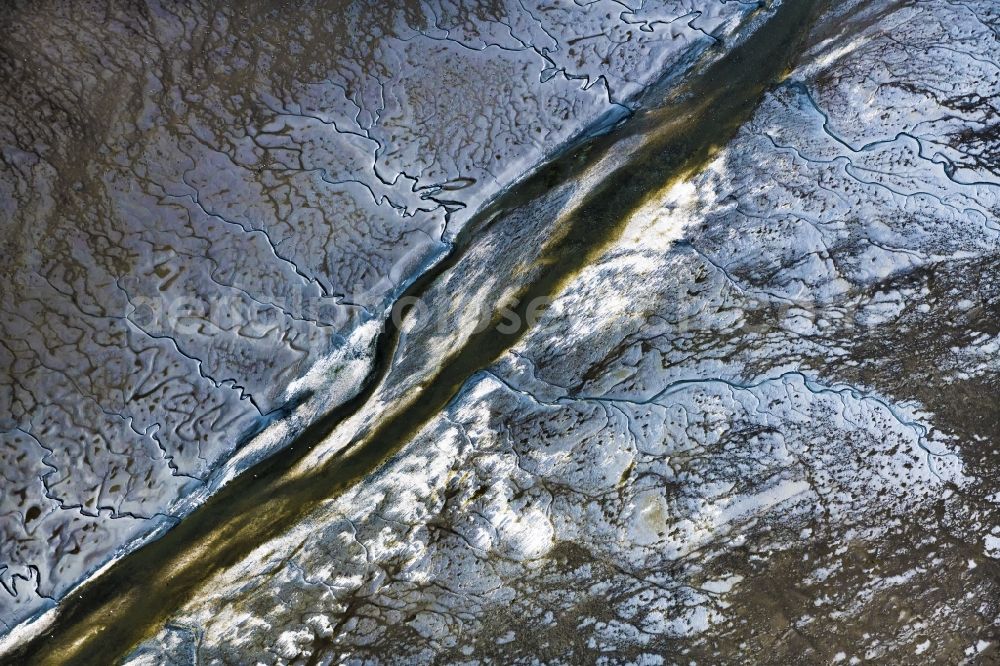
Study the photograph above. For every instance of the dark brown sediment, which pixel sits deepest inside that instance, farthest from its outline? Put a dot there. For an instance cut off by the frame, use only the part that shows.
(107, 616)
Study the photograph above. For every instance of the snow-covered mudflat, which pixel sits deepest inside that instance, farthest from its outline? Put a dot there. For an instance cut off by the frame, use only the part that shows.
(756, 425)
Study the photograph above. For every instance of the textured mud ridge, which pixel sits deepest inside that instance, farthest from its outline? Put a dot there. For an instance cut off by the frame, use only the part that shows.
(201, 203)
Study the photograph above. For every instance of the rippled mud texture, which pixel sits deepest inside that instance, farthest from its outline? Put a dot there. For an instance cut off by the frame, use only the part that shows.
(758, 427)
(199, 202)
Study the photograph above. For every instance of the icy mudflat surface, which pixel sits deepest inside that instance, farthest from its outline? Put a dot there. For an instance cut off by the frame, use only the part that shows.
(759, 427)
(199, 203)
